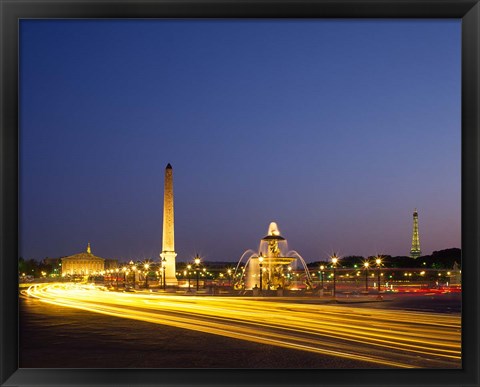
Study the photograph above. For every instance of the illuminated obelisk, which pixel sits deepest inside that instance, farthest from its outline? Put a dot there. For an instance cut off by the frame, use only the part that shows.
(168, 242)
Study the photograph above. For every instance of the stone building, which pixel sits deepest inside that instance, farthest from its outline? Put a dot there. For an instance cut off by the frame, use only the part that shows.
(83, 263)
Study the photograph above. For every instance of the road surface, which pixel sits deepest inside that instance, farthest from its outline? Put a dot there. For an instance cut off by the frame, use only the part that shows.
(382, 338)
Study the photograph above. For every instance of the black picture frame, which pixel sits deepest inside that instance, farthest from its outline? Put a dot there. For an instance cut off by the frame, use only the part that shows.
(13, 10)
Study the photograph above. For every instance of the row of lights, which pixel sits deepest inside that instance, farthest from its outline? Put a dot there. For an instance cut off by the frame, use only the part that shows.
(366, 264)
(334, 259)
(197, 262)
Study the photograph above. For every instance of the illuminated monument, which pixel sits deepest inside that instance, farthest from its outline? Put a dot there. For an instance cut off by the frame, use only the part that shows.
(273, 266)
(83, 263)
(168, 253)
(415, 251)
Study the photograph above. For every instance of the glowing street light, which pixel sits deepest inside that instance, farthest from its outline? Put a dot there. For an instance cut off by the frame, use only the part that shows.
(124, 269)
(197, 266)
(378, 261)
(116, 277)
(366, 264)
(164, 266)
(146, 267)
(260, 260)
(134, 269)
(334, 262)
(189, 267)
(322, 268)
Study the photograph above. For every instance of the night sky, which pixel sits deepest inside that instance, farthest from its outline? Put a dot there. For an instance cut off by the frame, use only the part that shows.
(335, 129)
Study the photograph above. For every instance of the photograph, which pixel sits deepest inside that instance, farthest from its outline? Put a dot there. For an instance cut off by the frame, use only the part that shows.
(240, 193)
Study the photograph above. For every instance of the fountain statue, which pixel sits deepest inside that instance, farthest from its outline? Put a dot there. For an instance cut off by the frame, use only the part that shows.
(273, 266)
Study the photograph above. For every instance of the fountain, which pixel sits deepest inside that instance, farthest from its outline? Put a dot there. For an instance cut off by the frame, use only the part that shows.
(277, 263)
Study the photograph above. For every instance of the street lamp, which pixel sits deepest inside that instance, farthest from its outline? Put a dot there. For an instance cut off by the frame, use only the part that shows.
(366, 264)
(116, 277)
(189, 267)
(134, 269)
(229, 271)
(164, 266)
(334, 262)
(197, 266)
(321, 274)
(124, 269)
(260, 260)
(146, 266)
(131, 264)
(378, 261)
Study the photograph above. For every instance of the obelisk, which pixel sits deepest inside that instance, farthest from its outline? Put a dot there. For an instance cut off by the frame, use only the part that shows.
(168, 253)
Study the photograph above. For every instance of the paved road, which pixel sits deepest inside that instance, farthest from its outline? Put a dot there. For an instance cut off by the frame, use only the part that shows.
(379, 337)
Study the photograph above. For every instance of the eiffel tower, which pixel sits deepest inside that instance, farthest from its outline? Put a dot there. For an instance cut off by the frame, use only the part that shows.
(415, 251)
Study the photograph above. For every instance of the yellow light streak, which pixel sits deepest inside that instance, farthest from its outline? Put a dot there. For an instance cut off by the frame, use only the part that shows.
(383, 337)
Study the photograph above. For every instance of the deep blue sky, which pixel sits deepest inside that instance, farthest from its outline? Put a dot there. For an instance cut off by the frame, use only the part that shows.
(335, 129)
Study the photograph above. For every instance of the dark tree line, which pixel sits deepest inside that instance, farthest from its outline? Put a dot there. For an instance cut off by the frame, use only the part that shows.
(442, 259)
(33, 267)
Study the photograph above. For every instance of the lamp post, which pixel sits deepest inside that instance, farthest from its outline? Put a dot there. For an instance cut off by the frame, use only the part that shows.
(146, 266)
(134, 269)
(164, 266)
(197, 267)
(229, 271)
(366, 264)
(131, 264)
(189, 267)
(260, 260)
(124, 269)
(321, 275)
(378, 261)
(116, 277)
(334, 262)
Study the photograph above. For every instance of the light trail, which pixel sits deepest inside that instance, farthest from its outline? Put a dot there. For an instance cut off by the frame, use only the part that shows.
(385, 338)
